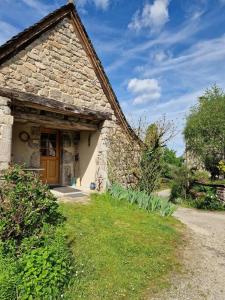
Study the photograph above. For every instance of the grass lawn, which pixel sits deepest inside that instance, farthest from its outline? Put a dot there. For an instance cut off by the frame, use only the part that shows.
(121, 252)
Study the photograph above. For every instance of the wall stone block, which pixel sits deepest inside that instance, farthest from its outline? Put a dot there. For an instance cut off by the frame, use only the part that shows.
(6, 122)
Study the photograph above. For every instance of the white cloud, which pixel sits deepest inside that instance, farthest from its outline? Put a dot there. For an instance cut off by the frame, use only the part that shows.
(201, 54)
(166, 38)
(179, 104)
(102, 4)
(153, 16)
(160, 56)
(146, 90)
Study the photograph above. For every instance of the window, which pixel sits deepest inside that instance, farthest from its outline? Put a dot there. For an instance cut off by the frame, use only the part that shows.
(48, 144)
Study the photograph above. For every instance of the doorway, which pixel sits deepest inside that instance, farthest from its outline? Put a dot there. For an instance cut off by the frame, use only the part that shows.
(50, 155)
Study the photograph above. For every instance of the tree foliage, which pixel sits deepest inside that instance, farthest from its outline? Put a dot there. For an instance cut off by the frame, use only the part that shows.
(205, 129)
(156, 138)
(170, 157)
(221, 167)
(170, 163)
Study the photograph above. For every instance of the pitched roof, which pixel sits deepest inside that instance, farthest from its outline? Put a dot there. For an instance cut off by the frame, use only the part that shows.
(23, 39)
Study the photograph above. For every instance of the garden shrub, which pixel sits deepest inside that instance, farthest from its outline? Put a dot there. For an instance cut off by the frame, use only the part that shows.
(151, 203)
(221, 167)
(8, 277)
(206, 198)
(25, 205)
(201, 176)
(180, 184)
(45, 270)
(210, 202)
(33, 246)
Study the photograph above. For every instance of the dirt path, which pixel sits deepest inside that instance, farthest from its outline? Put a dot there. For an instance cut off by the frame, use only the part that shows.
(204, 258)
(164, 193)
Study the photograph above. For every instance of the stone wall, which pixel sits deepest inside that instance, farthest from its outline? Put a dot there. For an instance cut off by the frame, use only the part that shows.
(101, 176)
(56, 66)
(6, 122)
(193, 162)
(221, 193)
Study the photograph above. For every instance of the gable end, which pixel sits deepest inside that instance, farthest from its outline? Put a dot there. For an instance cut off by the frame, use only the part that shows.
(22, 40)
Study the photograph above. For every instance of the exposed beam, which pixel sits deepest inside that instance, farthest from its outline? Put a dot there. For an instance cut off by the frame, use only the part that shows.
(52, 122)
(43, 103)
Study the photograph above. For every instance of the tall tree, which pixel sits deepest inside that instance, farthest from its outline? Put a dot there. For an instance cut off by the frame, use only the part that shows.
(205, 129)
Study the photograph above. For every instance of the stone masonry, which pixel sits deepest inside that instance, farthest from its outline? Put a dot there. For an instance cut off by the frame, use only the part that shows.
(55, 66)
(6, 122)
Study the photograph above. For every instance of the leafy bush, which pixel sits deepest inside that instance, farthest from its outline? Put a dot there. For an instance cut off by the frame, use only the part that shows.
(32, 244)
(206, 198)
(201, 176)
(180, 184)
(38, 272)
(210, 202)
(25, 205)
(8, 277)
(170, 163)
(221, 167)
(143, 200)
(44, 271)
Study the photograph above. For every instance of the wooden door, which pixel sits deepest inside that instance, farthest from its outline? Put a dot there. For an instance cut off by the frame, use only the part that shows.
(50, 155)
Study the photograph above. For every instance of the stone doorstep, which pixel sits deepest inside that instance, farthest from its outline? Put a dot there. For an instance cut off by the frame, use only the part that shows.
(58, 194)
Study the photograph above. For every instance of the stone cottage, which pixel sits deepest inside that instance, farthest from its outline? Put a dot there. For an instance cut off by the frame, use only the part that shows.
(56, 103)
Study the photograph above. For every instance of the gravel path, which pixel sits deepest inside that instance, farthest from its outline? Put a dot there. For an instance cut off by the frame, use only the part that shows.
(204, 258)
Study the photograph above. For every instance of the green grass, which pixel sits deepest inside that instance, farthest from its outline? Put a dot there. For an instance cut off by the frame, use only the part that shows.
(120, 251)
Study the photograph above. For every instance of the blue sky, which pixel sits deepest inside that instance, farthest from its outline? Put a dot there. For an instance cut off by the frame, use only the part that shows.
(160, 55)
